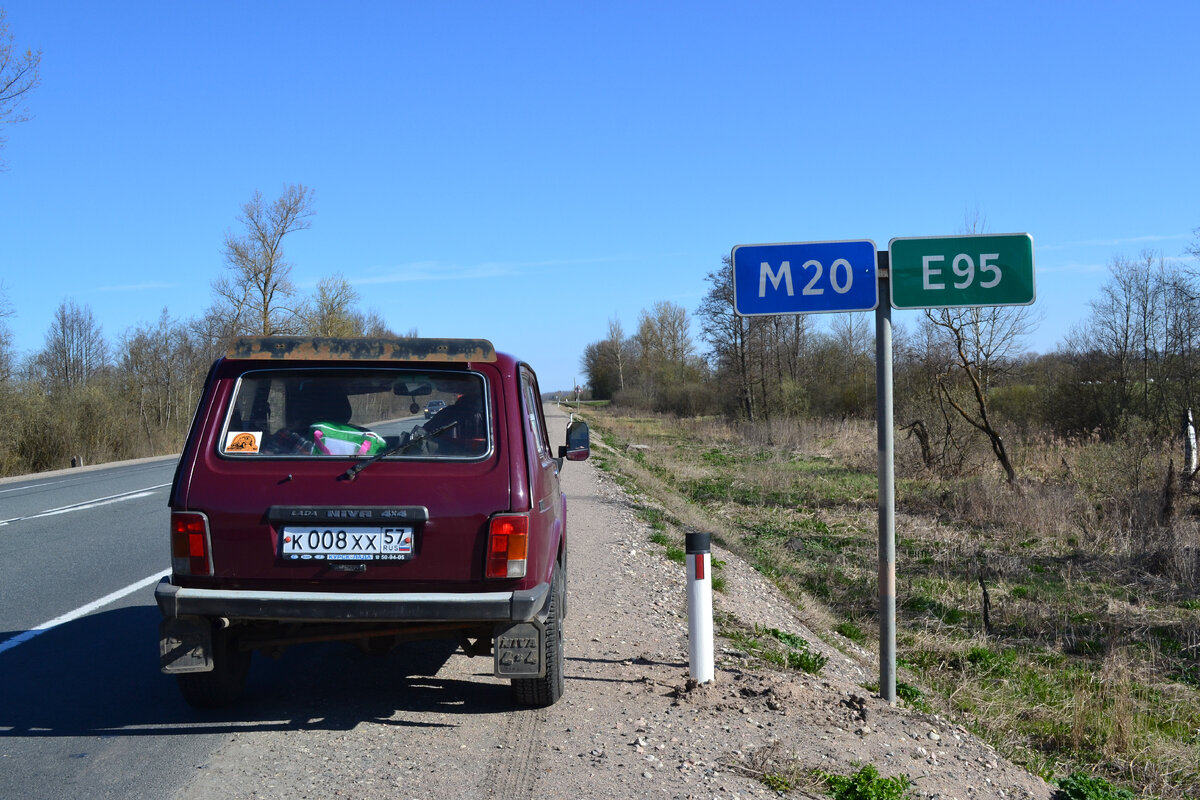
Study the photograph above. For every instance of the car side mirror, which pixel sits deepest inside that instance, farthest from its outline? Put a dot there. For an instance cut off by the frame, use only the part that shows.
(578, 446)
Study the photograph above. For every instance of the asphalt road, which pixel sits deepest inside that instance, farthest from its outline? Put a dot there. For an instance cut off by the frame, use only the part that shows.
(84, 711)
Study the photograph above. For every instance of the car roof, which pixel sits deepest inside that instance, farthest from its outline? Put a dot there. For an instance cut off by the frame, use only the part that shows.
(320, 348)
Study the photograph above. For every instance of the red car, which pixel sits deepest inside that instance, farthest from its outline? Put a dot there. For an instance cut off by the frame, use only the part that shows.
(314, 502)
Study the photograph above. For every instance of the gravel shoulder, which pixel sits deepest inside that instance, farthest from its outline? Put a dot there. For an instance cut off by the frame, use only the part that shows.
(628, 725)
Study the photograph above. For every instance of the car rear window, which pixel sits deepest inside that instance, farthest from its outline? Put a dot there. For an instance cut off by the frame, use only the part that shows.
(358, 413)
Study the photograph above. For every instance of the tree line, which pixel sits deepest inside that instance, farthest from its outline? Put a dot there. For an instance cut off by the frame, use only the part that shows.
(966, 387)
(83, 398)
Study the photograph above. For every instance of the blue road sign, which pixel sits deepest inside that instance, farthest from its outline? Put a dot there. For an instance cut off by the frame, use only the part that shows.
(804, 277)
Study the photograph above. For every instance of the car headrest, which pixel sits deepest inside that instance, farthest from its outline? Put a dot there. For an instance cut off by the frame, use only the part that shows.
(319, 401)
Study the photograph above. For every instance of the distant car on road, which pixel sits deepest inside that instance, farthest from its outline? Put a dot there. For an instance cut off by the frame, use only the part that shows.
(433, 407)
(309, 506)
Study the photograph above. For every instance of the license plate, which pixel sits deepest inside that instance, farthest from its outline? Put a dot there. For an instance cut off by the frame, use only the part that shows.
(329, 543)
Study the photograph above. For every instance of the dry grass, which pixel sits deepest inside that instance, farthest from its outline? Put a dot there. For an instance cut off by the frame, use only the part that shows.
(780, 769)
(1089, 562)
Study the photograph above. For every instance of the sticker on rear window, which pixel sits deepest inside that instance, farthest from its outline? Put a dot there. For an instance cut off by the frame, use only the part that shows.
(242, 441)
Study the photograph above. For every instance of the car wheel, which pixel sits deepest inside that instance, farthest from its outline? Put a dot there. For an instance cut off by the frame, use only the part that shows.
(224, 685)
(546, 690)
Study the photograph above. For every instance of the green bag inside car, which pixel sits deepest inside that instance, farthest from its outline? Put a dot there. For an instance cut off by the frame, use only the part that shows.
(333, 439)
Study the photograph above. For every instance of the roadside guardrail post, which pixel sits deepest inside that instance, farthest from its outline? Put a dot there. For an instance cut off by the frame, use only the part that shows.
(699, 595)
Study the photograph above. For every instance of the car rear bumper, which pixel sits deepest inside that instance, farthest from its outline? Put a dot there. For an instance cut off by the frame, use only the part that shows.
(518, 606)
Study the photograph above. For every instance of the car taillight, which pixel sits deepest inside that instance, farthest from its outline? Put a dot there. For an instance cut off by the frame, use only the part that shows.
(508, 539)
(191, 548)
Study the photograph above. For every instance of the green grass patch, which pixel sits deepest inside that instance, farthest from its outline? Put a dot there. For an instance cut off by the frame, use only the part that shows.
(776, 782)
(867, 785)
(992, 663)
(913, 697)
(718, 576)
(717, 457)
(922, 604)
(852, 632)
(812, 483)
(1081, 786)
(656, 518)
(780, 648)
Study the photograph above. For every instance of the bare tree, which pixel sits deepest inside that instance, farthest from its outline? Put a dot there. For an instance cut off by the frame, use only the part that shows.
(665, 345)
(75, 349)
(331, 311)
(1140, 342)
(854, 344)
(1114, 319)
(616, 341)
(772, 362)
(604, 363)
(161, 372)
(597, 365)
(19, 74)
(257, 296)
(727, 335)
(6, 352)
(375, 326)
(1182, 301)
(981, 342)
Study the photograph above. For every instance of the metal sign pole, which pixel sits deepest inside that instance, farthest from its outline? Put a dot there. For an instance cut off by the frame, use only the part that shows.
(887, 485)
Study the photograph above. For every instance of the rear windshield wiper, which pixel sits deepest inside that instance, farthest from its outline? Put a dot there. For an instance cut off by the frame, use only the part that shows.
(352, 473)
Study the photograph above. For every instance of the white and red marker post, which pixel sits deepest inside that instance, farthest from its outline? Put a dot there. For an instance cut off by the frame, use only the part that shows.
(699, 594)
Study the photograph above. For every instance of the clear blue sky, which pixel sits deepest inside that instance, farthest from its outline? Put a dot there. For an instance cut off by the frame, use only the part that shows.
(526, 171)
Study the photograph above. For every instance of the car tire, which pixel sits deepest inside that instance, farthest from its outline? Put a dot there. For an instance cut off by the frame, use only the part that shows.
(227, 680)
(546, 690)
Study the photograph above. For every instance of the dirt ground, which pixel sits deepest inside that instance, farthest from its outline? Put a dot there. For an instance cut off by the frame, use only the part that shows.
(629, 723)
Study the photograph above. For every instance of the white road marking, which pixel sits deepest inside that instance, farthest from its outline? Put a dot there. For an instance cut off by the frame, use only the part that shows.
(82, 611)
(91, 504)
(86, 504)
(30, 486)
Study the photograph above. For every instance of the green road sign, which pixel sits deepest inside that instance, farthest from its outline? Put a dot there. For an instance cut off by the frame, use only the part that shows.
(976, 270)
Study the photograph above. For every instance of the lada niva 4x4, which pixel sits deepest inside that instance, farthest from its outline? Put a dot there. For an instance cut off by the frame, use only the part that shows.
(314, 501)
